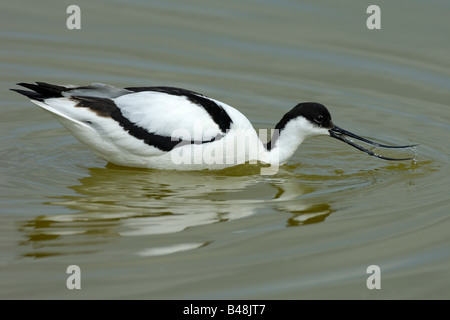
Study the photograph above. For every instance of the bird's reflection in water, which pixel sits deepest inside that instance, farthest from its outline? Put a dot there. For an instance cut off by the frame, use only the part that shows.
(117, 202)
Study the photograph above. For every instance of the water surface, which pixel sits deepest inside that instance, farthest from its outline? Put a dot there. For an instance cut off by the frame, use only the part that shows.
(310, 231)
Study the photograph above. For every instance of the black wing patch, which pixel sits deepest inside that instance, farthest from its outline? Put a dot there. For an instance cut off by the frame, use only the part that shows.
(107, 108)
(41, 90)
(215, 111)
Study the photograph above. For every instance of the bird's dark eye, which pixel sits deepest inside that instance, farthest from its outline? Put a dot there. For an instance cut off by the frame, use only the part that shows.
(319, 119)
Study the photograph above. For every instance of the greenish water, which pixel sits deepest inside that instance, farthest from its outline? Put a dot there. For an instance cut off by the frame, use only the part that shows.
(310, 231)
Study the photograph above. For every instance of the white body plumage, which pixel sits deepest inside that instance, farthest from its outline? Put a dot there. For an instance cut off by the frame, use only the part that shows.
(173, 128)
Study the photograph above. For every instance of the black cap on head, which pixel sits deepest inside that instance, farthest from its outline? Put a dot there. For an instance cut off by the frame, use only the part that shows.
(315, 112)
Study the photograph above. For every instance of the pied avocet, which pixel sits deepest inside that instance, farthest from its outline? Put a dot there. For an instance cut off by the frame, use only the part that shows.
(173, 128)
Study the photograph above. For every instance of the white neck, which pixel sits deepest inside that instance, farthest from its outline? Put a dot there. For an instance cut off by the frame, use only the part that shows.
(286, 141)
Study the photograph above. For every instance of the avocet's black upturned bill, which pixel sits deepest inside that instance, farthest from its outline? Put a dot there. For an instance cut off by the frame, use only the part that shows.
(173, 128)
